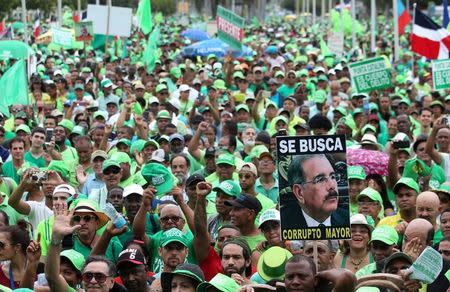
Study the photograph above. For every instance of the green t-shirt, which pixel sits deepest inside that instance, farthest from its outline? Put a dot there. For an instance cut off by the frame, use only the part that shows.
(151, 227)
(39, 162)
(10, 171)
(366, 270)
(266, 203)
(254, 240)
(70, 158)
(112, 252)
(156, 262)
(285, 90)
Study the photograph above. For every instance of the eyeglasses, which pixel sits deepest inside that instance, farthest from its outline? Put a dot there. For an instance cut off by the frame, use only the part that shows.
(322, 179)
(86, 218)
(174, 219)
(3, 245)
(99, 277)
(109, 171)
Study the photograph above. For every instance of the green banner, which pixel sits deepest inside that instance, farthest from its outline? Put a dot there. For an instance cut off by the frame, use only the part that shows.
(230, 27)
(371, 74)
(441, 74)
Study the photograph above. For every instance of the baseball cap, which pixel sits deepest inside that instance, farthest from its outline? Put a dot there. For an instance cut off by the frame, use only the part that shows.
(110, 163)
(221, 282)
(160, 87)
(394, 256)
(133, 189)
(225, 158)
(65, 188)
(184, 87)
(340, 110)
(131, 255)
(356, 172)
(78, 86)
(367, 128)
(195, 178)
(229, 187)
(210, 151)
(239, 75)
(219, 84)
(272, 262)
(360, 219)
(407, 181)
(385, 234)
(106, 83)
(67, 124)
(372, 194)
(158, 155)
(173, 235)
(24, 128)
(76, 258)
(248, 166)
(191, 271)
(269, 215)
(100, 114)
(164, 114)
(242, 107)
(121, 157)
(158, 176)
(176, 136)
(244, 201)
(125, 141)
(99, 153)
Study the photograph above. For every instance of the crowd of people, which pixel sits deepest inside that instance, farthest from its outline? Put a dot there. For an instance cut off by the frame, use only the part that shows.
(118, 178)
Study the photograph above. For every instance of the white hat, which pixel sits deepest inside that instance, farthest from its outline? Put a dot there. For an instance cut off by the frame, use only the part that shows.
(65, 188)
(369, 139)
(184, 87)
(158, 155)
(359, 219)
(57, 72)
(133, 189)
(216, 65)
(93, 104)
(250, 167)
(269, 215)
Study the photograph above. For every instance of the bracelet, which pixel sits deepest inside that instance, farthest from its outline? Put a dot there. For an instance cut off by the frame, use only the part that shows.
(56, 242)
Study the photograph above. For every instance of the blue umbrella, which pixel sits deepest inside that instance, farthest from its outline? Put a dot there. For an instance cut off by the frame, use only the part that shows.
(214, 46)
(195, 34)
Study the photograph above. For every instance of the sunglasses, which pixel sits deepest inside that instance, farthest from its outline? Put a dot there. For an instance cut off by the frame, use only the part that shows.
(99, 277)
(86, 218)
(174, 219)
(108, 171)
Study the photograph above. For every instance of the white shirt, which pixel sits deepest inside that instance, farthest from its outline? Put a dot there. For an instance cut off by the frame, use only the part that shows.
(310, 222)
(38, 212)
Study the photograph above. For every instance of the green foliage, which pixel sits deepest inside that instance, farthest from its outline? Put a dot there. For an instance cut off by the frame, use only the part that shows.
(167, 7)
(7, 6)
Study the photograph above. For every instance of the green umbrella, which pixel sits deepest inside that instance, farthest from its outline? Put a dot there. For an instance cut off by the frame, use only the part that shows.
(18, 25)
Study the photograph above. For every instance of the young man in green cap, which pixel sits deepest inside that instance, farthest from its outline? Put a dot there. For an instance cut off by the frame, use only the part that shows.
(370, 204)
(108, 95)
(36, 151)
(356, 183)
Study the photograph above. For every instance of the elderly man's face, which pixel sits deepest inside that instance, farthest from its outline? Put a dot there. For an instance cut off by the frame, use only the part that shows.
(170, 217)
(317, 194)
(324, 255)
(89, 223)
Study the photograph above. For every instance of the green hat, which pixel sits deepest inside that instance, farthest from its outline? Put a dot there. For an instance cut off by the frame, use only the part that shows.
(443, 188)
(220, 282)
(341, 110)
(78, 86)
(386, 234)
(239, 75)
(110, 162)
(279, 74)
(368, 127)
(164, 114)
(438, 103)
(405, 101)
(372, 194)
(124, 141)
(269, 215)
(158, 176)
(409, 182)
(60, 167)
(211, 56)
(175, 72)
(280, 118)
(242, 107)
(272, 262)
(24, 128)
(86, 70)
(356, 172)
(160, 87)
(191, 271)
(320, 96)
(322, 78)
(76, 258)
(229, 187)
(447, 98)
(138, 145)
(106, 83)
(219, 84)
(303, 73)
(79, 130)
(173, 235)
(100, 114)
(259, 151)
(400, 79)
(151, 142)
(68, 124)
(121, 157)
(226, 158)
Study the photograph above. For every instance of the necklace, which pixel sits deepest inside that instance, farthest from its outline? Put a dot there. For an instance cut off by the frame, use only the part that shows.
(356, 262)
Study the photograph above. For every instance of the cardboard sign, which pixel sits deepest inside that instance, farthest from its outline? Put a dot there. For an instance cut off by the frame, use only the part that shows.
(120, 19)
(211, 28)
(84, 31)
(230, 27)
(370, 74)
(427, 267)
(313, 186)
(62, 37)
(441, 74)
(335, 42)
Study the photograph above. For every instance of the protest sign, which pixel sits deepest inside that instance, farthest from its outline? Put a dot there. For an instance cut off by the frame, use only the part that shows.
(62, 37)
(313, 187)
(211, 28)
(84, 31)
(230, 27)
(427, 267)
(371, 74)
(98, 14)
(335, 42)
(441, 74)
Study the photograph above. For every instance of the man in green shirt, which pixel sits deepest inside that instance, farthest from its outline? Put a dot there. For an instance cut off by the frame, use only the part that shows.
(17, 150)
(36, 152)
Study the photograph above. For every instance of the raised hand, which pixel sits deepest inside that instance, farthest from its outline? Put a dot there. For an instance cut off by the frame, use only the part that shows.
(62, 225)
(34, 250)
(203, 189)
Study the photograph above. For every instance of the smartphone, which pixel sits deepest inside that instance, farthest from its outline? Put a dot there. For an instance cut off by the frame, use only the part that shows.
(282, 132)
(48, 135)
(446, 120)
(366, 105)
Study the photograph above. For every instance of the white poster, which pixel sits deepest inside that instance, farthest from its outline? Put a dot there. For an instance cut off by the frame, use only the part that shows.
(336, 43)
(119, 20)
(62, 37)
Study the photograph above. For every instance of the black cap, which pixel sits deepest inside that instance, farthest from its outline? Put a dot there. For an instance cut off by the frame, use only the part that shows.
(211, 151)
(195, 178)
(263, 137)
(394, 256)
(131, 255)
(245, 201)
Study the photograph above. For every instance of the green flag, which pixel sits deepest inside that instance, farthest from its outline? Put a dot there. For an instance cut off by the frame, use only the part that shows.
(150, 53)
(159, 18)
(324, 50)
(14, 87)
(144, 16)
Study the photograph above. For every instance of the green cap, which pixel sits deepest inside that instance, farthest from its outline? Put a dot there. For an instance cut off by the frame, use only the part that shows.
(341, 110)
(100, 114)
(357, 111)
(220, 282)
(24, 128)
(405, 101)
(175, 72)
(151, 142)
(164, 114)
(356, 172)
(191, 271)
(279, 74)
(76, 258)
(78, 130)
(438, 103)
(320, 96)
(242, 107)
(443, 188)
(229, 187)
(272, 262)
(173, 235)
(78, 86)
(407, 181)
(219, 84)
(121, 157)
(322, 78)
(386, 234)
(60, 167)
(368, 127)
(259, 151)
(372, 194)
(110, 162)
(106, 83)
(124, 141)
(239, 75)
(68, 124)
(138, 145)
(158, 176)
(160, 87)
(225, 158)
(280, 118)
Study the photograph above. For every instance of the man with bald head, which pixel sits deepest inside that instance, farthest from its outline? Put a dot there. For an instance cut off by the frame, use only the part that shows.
(427, 207)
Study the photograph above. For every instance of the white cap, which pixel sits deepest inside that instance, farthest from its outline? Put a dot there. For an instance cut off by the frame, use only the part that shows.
(359, 219)
(250, 167)
(65, 188)
(269, 215)
(369, 139)
(175, 102)
(158, 155)
(57, 72)
(184, 87)
(133, 189)
(217, 65)
(93, 103)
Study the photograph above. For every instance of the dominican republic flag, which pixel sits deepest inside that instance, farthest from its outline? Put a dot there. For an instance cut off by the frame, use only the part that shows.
(37, 26)
(404, 18)
(428, 38)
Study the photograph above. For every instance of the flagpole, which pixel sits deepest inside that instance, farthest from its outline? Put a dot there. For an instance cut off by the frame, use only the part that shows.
(59, 13)
(24, 20)
(413, 21)
(353, 24)
(323, 10)
(373, 13)
(314, 11)
(107, 24)
(396, 38)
